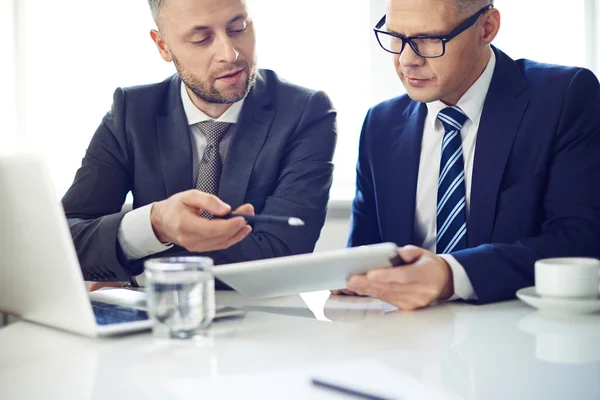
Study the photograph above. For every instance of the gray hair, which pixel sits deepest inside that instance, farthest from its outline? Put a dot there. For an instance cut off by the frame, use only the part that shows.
(471, 6)
(155, 6)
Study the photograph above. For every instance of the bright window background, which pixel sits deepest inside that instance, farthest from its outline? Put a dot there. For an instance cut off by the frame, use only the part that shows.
(8, 110)
(72, 54)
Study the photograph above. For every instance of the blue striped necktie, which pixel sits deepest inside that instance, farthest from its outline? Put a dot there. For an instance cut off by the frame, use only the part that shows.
(451, 201)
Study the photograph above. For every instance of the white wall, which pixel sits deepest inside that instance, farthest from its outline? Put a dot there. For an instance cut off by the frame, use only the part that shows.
(334, 234)
(8, 112)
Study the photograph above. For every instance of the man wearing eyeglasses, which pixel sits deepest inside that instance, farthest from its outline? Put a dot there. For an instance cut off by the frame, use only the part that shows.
(485, 166)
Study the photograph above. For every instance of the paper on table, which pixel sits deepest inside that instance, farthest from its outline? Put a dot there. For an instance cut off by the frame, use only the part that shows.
(364, 375)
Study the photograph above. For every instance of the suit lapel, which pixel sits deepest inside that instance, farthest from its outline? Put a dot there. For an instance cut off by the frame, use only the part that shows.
(174, 143)
(401, 172)
(505, 104)
(250, 135)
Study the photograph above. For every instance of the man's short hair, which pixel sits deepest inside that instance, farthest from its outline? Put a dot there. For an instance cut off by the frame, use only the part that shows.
(471, 6)
(155, 6)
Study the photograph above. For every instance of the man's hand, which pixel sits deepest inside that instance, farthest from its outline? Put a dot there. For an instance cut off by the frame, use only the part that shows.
(99, 285)
(344, 291)
(177, 220)
(425, 279)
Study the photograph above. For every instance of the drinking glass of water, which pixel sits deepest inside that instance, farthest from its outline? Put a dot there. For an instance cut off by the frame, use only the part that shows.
(181, 295)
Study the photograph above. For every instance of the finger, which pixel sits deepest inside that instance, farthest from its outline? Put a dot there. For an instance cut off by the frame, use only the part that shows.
(410, 289)
(199, 233)
(239, 236)
(403, 301)
(205, 201)
(402, 304)
(358, 284)
(228, 238)
(221, 229)
(392, 275)
(247, 209)
(399, 293)
(99, 285)
(410, 254)
(343, 292)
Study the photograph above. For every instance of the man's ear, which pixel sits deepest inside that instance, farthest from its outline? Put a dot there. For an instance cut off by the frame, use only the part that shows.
(491, 26)
(161, 45)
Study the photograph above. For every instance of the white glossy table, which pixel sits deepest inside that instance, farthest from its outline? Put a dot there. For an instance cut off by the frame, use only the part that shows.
(501, 351)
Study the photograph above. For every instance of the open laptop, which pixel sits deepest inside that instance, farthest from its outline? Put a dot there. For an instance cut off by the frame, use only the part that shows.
(40, 275)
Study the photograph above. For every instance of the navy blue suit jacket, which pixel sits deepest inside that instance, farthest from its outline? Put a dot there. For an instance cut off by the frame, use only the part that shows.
(279, 160)
(536, 174)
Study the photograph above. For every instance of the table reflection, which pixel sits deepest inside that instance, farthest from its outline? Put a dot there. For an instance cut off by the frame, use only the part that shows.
(564, 340)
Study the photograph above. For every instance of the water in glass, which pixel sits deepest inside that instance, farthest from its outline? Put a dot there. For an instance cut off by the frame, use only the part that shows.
(182, 304)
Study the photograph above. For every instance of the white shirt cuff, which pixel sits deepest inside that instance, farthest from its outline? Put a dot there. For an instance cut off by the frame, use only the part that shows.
(463, 289)
(136, 236)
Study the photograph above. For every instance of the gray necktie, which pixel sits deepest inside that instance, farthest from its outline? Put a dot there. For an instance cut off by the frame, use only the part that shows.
(210, 166)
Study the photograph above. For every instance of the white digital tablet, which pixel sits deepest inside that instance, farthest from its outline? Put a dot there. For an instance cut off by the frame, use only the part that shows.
(326, 270)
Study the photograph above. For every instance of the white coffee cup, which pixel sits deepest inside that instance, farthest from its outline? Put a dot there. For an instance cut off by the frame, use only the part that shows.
(568, 277)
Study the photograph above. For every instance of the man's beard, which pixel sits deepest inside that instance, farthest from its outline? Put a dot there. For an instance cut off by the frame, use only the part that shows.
(206, 91)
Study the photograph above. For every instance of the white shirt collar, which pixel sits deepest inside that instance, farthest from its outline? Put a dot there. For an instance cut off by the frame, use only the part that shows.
(195, 115)
(472, 101)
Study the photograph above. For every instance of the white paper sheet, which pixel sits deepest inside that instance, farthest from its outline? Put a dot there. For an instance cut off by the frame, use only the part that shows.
(365, 375)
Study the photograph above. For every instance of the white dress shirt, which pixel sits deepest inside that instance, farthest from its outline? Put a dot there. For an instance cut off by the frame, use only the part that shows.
(429, 168)
(135, 234)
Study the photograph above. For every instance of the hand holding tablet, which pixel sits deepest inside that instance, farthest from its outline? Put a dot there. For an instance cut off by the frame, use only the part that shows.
(306, 272)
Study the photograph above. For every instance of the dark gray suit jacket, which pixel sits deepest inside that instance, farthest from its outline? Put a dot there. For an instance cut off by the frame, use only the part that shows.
(279, 160)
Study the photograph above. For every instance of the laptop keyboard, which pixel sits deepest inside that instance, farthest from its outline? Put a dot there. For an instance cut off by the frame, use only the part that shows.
(107, 314)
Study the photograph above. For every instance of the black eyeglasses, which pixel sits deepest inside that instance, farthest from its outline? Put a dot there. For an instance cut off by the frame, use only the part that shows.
(424, 46)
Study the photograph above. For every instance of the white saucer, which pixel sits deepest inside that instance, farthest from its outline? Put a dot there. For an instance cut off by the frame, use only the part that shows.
(558, 305)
